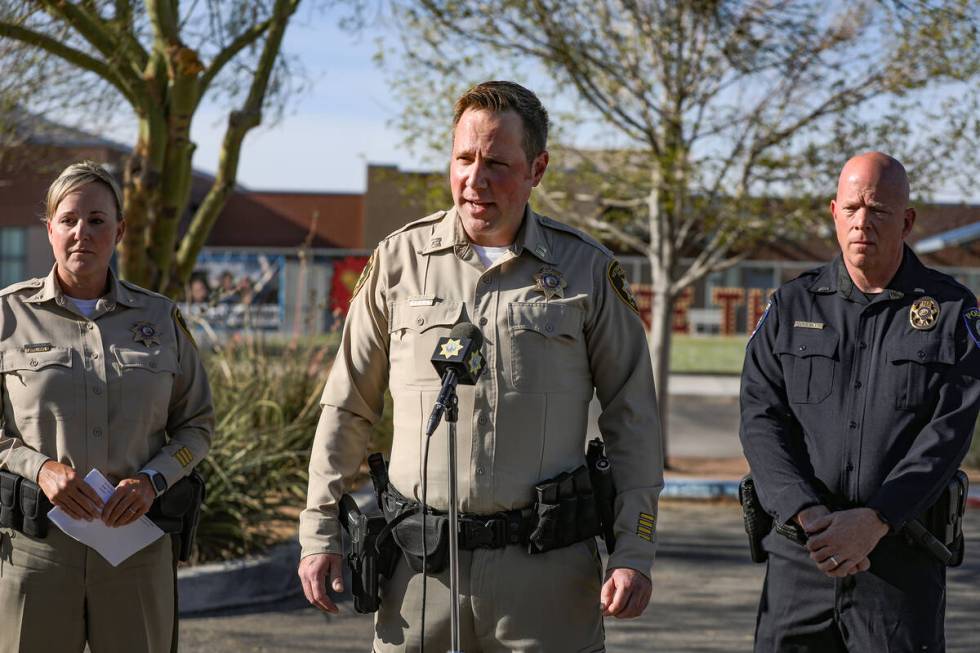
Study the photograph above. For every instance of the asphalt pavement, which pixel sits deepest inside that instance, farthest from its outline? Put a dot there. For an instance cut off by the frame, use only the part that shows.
(705, 596)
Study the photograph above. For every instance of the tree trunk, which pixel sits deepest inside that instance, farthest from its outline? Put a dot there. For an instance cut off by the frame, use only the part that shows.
(661, 321)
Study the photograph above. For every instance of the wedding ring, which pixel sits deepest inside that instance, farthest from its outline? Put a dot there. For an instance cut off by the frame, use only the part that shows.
(834, 560)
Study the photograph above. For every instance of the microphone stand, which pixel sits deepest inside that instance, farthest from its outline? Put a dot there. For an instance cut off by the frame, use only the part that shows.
(452, 413)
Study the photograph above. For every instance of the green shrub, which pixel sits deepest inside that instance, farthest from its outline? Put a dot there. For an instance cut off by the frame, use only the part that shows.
(267, 404)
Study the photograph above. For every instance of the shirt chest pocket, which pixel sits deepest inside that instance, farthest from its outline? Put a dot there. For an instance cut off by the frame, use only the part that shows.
(916, 370)
(39, 385)
(145, 380)
(810, 362)
(547, 348)
(413, 333)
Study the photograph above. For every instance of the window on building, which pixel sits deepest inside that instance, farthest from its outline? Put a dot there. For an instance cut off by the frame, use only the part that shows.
(13, 255)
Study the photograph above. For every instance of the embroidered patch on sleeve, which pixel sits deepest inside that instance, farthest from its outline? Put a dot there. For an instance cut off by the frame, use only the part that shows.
(617, 278)
(365, 273)
(758, 325)
(972, 319)
(184, 456)
(646, 526)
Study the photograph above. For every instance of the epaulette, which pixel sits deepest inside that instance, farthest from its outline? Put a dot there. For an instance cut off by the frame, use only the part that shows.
(29, 284)
(947, 280)
(143, 291)
(434, 217)
(581, 235)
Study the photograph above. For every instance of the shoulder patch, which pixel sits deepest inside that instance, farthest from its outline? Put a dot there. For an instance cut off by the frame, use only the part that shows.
(365, 273)
(29, 284)
(765, 314)
(971, 317)
(581, 235)
(434, 217)
(617, 279)
(182, 325)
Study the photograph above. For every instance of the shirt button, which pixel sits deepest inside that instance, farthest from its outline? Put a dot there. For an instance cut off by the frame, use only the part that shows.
(95, 355)
(549, 328)
(850, 467)
(863, 345)
(97, 432)
(857, 384)
(853, 424)
(921, 354)
(483, 420)
(480, 471)
(802, 347)
(89, 326)
(33, 362)
(483, 321)
(420, 321)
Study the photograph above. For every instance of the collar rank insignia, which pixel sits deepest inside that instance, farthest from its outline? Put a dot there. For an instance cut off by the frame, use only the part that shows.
(451, 349)
(146, 333)
(924, 313)
(550, 282)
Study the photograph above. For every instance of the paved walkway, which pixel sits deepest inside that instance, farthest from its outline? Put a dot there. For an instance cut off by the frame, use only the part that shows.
(705, 596)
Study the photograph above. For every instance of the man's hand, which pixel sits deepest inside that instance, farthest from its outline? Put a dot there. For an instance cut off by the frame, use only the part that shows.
(843, 540)
(313, 573)
(68, 491)
(625, 594)
(131, 500)
(807, 516)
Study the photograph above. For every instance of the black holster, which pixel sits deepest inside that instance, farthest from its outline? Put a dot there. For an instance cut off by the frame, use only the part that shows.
(757, 521)
(566, 512)
(604, 490)
(372, 553)
(178, 512)
(943, 521)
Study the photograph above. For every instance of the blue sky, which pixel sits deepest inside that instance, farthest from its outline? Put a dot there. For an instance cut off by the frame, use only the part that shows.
(330, 131)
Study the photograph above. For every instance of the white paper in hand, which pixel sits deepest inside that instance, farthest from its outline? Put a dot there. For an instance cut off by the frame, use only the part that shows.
(113, 544)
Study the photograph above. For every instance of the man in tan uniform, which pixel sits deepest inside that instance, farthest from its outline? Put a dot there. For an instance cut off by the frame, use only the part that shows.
(95, 373)
(559, 323)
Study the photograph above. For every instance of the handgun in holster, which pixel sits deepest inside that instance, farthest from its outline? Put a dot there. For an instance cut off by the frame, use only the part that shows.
(178, 512)
(758, 522)
(372, 552)
(940, 529)
(603, 489)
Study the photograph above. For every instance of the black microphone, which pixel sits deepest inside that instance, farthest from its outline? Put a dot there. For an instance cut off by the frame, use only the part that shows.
(458, 361)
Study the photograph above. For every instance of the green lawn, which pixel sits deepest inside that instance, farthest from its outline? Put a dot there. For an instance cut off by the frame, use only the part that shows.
(707, 354)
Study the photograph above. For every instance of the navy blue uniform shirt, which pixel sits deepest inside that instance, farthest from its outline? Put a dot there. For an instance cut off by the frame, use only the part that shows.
(844, 400)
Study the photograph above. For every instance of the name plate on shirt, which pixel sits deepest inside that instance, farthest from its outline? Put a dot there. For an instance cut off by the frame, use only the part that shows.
(422, 301)
(808, 325)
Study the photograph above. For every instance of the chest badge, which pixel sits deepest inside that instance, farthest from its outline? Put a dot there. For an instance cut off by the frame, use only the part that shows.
(550, 282)
(146, 333)
(924, 313)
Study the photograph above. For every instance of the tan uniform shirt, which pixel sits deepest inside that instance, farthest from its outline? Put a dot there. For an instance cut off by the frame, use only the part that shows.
(525, 420)
(118, 392)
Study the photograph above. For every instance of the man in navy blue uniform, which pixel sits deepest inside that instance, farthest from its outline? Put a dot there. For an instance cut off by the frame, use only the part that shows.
(859, 398)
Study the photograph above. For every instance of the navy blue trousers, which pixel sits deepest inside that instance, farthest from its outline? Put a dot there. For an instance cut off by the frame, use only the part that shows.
(897, 606)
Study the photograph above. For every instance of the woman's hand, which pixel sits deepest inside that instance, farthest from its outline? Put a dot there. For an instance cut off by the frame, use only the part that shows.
(68, 491)
(131, 500)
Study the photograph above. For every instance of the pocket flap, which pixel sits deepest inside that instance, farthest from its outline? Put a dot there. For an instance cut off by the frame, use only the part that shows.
(932, 351)
(13, 360)
(421, 318)
(808, 342)
(154, 360)
(544, 318)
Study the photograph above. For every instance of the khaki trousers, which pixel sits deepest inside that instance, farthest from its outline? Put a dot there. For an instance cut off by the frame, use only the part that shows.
(510, 601)
(57, 594)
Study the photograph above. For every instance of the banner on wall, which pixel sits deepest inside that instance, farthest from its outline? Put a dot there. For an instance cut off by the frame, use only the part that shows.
(346, 272)
(234, 291)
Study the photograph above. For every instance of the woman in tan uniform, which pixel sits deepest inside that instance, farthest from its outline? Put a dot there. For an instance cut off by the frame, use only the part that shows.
(95, 373)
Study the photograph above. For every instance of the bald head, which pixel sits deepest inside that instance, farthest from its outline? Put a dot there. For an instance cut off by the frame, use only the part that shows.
(872, 217)
(876, 169)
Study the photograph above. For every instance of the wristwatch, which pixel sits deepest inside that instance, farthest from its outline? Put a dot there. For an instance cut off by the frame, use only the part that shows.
(158, 481)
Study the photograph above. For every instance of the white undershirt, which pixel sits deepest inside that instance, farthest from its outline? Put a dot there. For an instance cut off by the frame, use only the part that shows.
(85, 306)
(490, 255)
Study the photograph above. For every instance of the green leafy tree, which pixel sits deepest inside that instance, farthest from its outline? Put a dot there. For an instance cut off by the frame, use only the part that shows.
(723, 121)
(162, 59)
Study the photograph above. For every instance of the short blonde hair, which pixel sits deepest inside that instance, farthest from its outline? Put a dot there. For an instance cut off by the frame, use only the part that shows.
(74, 177)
